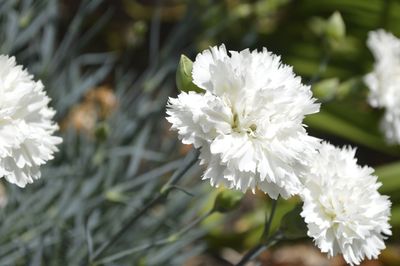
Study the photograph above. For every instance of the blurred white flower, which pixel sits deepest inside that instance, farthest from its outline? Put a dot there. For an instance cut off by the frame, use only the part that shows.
(248, 122)
(384, 81)
(26, 126)
(342, 207)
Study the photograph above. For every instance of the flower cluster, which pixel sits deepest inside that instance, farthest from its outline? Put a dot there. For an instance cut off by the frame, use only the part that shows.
(342, 206)
(248, 122)
(384, 81)
(26, 126)
(248, 125)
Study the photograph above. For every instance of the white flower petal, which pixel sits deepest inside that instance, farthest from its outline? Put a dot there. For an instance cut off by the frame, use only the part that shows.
(26, 126)
(384, 81)
(248, 123)
(342, 207)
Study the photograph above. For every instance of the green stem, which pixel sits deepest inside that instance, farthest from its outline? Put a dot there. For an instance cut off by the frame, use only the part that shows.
(322, 67)
(268, 221)
(191, 160)
(191, 225)
(254, 252)
(266, 241)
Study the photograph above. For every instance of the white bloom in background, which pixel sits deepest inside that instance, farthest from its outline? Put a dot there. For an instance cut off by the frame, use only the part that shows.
(26, 126)
(384, 81)
(248, 122)
(342, 207)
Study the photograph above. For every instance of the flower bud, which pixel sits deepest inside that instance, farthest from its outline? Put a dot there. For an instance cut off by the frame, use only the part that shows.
(335, 27)
(332, 28)
(184, 80)
(326, 89)
(102, 131)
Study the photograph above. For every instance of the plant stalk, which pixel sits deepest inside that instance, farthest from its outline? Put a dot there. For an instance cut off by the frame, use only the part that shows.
(192, 158)
(265, 240)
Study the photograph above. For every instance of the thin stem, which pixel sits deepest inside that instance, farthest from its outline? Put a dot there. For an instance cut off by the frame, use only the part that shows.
(124, 253)
(191, 160)
(322, 66)
(160, 242)
(192, 224)
(182, 190)
(268, 221)
(265, 240)
(254, 252)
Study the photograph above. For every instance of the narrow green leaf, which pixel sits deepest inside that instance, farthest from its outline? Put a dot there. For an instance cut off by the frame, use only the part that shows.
(332, 124)
(395, 219)
(389, 175)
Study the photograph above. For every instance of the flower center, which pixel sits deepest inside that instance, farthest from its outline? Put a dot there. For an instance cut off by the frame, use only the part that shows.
(239, 127)
(333, 207)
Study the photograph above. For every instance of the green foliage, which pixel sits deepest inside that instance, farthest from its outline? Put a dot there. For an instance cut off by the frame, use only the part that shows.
(99, 181)
(292, 224)
(227, 200)
(333, 27)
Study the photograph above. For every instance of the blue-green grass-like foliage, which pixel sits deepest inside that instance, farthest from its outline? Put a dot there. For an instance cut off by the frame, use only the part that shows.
(95, 185)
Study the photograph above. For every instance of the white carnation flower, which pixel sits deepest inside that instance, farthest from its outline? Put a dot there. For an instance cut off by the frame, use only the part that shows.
(248, 121)
(26, 127)
(384, 81)
(342, 207)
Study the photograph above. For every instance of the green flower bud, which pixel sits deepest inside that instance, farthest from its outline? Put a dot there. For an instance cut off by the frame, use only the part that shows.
(184, 80)
(335, 27)
(317, 25)
(115, 196)
(227, 200)
(332, 28)
(326, 89)
(102, 131)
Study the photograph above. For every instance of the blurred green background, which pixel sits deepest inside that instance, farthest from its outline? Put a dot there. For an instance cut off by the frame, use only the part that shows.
(109, 67)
